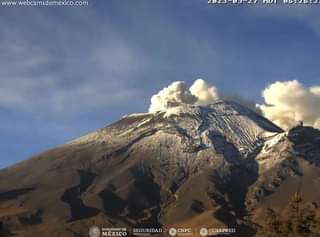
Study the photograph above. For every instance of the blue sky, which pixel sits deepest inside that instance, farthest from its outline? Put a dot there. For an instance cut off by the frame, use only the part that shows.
(66, 71)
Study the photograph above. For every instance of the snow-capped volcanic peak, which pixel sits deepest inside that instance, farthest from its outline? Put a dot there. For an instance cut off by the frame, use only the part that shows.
(204, 127)
(235, 123)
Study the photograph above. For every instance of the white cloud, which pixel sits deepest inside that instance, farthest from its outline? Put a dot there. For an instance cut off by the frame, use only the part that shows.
(177, 94)
(205, 93)
(287, 103)
(65, 79)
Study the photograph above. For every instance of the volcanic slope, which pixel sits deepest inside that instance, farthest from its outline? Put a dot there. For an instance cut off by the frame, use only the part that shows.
(201, 166)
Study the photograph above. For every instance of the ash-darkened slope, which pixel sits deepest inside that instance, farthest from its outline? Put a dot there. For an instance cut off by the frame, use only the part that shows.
(203, 167)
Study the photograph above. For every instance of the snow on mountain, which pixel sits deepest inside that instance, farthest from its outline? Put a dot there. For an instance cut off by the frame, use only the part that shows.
(192, 166)
(201, 126)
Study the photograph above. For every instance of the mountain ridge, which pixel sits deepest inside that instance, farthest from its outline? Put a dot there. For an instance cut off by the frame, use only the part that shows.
(208, 163)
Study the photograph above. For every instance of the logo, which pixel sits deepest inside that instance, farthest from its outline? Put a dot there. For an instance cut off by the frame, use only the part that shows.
(216, 231)
(94, 231)
(146, 231)
(180, 231)
(172, 231)
(204, 231)
(114, 232)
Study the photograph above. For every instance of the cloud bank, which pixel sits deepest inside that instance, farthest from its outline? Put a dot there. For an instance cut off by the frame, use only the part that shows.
(177, 94)
(287, 103)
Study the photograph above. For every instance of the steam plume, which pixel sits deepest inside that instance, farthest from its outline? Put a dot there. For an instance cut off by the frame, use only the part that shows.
(177, 94)
(288, 102)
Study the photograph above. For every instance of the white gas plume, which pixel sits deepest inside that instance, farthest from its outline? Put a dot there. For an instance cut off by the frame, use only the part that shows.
(205, 93)
(177, 94)
(290, 102)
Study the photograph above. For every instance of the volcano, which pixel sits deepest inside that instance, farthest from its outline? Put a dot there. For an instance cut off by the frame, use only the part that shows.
(215, 166)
